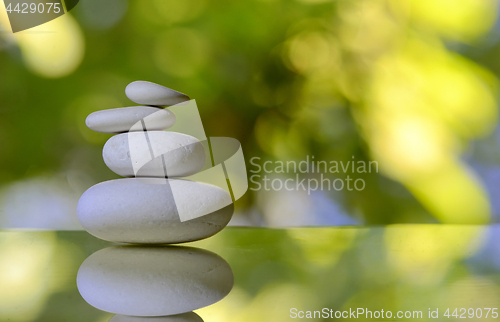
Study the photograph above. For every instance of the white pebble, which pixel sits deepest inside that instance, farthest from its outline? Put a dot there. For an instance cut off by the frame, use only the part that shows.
(149, 210)
(153, 281)
(123, 119)
(130, 154)
(147, 93)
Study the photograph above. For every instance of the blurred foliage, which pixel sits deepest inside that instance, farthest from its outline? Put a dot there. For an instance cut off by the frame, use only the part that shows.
(386, 80)
(411, 84)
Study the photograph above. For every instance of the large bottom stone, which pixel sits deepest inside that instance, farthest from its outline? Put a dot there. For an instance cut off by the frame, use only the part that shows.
(147, 210)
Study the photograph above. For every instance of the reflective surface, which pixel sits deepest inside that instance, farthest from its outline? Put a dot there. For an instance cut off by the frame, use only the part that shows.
(153, 281)
(395, 268)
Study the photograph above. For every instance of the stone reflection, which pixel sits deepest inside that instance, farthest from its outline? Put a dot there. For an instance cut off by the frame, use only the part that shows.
(163, 282)
(185, 317)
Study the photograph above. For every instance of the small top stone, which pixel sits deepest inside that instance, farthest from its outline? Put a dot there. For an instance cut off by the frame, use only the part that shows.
(147, 93)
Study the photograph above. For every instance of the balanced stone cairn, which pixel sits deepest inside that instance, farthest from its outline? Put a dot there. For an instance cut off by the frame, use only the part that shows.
(150, 207)
(144, 208)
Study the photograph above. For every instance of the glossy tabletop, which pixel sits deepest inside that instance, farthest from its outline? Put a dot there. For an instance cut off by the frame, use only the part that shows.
(285, 274)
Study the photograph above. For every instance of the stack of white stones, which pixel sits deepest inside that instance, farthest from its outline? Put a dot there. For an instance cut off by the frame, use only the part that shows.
(142, 209)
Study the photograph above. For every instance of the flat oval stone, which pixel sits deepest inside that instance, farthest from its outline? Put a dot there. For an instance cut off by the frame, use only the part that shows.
(154, 154)
(149, 210)
(153, 281)
(185, 317)
(147, 93)
(123, 119)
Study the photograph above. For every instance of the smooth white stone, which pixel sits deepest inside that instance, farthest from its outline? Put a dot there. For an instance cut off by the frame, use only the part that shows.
(123, 119)
(153, 281)
(185, 317)
(183, 154)
(148, 93)
(144, 210)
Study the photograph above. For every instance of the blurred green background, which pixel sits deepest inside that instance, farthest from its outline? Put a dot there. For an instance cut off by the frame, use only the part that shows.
(412, 85)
